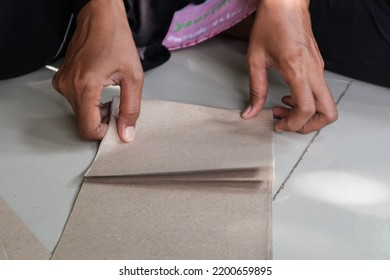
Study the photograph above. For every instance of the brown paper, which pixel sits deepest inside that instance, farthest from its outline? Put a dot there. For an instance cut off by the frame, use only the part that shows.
(181, 138)
(194, 184)
(169, 221)
(16, 240)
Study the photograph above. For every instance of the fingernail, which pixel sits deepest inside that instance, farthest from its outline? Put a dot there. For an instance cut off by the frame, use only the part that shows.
(246, 112)
(129, 133)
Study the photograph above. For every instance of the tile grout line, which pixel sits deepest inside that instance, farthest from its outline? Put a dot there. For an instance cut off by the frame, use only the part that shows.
(281, 187)
(344, 92)
(295, 165)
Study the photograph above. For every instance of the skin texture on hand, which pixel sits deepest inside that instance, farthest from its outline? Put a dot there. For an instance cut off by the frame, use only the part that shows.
(282, 38)
(101, 53)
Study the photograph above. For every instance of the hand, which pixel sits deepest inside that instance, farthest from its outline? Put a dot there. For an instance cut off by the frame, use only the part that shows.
(101, 53)
(282, 38)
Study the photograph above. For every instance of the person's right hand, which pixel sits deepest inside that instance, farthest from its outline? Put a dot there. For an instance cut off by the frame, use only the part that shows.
(101, 53)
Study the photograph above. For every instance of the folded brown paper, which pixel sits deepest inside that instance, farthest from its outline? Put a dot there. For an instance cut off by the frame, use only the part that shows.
(194, 184)
(16, 240)
(183, 139)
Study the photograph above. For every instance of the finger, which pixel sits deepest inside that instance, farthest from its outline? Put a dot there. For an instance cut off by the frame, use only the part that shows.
(325, 107)
(302, 111)
(129, 109)
(326, 111)
(280, 112)
(288, 100)
(258, 92)
(89, 115)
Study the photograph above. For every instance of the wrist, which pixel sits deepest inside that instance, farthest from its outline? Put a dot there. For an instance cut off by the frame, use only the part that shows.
(113, 8)
(284, 4)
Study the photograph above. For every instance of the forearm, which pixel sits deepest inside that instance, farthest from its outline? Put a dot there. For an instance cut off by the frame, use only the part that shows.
(107, 12)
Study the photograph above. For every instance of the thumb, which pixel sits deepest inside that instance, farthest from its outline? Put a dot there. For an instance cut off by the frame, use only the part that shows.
(129, 108)
(258, 80)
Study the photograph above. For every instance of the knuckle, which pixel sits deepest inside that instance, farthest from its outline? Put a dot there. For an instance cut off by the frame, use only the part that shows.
(254, 65)
(258, 92)
(137, 76)
(332, 116)
(291, 126)
(307, 111)
(255, 61)
(130, 113)
(294, 55)
(81, 83)
(58, 83)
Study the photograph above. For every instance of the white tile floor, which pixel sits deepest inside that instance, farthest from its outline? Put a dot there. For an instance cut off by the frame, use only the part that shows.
(332, 188)
(336, 203)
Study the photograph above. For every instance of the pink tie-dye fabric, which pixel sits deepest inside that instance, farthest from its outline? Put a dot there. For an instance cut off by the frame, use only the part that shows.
(196, 23)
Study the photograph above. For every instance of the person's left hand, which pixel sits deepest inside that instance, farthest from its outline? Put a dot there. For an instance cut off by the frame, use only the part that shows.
(282, 38)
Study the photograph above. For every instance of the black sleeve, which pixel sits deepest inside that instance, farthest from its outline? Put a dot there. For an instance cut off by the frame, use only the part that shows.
(357, 45)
